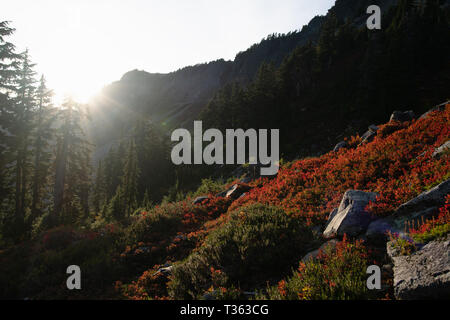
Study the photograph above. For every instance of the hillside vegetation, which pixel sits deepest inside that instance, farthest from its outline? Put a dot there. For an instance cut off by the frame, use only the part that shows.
(226, 248)
(94, 185)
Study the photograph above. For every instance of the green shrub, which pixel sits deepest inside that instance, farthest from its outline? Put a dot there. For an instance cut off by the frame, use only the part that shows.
(156, 225)
(337, 274)
(256, 244)
(209, 186)
(438, 232)
(404, 246)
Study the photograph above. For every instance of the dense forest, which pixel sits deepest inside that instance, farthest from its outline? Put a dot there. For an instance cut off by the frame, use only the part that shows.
(124, 210)
(352, 75)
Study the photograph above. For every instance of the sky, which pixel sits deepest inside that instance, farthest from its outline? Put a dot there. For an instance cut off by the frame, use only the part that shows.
(82, 45)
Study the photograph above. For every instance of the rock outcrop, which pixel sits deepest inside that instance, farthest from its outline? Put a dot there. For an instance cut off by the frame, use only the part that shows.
(379, 229)
(427, 199)
(370, 134)
(165, 270)
(425, 274)
(236, 191)
(442, 150)
(423, 206)
(199, 200)
(351, 217)
(402, 116)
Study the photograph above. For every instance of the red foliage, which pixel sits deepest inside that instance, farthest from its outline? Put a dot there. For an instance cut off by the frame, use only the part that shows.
(151, 284)
(398, 166)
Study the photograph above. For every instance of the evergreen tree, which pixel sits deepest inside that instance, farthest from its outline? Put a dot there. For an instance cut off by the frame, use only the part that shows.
(43, 136)
(72, 166)
(9, 59)
(146, 203)
(9, 63)
(99, 193)
(24, 107)
(130, 179)
(116, 207)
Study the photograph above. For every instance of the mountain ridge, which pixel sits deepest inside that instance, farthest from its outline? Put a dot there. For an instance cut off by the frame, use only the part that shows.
(176, 98)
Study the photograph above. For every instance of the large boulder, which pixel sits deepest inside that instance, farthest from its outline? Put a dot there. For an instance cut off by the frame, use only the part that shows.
(425, 274)
(379, 229)
(351, 217)
(370, 134)
(433, 197)
(423, 206)
(442, 150)
(402, 116)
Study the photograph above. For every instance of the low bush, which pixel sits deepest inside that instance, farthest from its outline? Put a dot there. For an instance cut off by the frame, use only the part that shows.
(337, 274)
(257, 243)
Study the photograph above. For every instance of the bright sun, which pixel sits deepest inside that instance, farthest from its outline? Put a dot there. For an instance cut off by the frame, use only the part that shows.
(81, 90)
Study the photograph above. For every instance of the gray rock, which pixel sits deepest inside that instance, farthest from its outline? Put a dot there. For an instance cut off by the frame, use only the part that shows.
(370, 134)
(425, 205)
(166, 270)
(199, 200)
(332, 214)
(427, 199)
(378, 229)
(441, 150)
(351, 218)
(402, 116)
(236, 191)
(425, 274)
(439, 108)
(313, 254)
(340, 145)
(232, 192)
